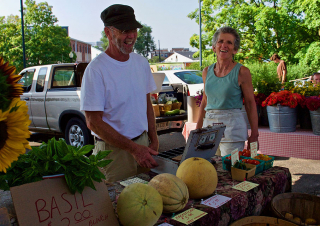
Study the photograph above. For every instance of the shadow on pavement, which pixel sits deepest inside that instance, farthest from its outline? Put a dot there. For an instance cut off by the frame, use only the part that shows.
(307, 183)
(43, 137)
(281, 158)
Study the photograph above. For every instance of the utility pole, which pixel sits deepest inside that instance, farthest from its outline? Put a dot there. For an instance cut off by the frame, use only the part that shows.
(200, 41)
(159, 51)
(22, 28)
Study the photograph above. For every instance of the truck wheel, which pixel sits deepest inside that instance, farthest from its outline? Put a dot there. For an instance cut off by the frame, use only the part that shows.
(77, 133)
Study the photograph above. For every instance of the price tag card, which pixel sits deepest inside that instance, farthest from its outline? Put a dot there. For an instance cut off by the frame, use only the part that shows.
(165, 224)
(189, 216)
(132, 181)
(254, 149)
(245, 186)
(216, 201)
(234, 156)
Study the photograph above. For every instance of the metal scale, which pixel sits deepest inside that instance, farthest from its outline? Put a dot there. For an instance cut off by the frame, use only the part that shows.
(201, 143)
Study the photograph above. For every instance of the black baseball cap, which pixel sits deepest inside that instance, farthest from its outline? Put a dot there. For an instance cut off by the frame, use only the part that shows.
(120, 16)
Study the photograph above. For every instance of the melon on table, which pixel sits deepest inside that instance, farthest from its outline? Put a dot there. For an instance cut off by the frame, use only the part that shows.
(139, 204)
(173, 190)
(199, 175)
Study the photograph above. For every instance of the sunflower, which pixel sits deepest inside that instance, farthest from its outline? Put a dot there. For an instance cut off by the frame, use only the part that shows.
(8, 84)
(14, 132)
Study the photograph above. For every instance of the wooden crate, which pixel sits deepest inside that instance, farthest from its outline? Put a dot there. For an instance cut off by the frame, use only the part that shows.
(298, 204)
(261, 221)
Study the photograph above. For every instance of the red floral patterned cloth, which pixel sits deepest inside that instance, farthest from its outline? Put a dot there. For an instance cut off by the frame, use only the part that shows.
(272, 182)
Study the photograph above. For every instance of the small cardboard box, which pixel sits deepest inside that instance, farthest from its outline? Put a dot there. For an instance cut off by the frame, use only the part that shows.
(240, 175)
(156, 110)
(49, 202)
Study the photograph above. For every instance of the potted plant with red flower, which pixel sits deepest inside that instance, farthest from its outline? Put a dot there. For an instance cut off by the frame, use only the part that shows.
(282, 112)
(313, 104)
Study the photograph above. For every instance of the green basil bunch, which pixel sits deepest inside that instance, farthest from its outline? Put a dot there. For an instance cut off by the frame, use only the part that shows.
(56, 157)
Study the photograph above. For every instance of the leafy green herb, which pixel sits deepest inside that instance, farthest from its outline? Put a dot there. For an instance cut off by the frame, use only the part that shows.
(56, 157)
(240, 165)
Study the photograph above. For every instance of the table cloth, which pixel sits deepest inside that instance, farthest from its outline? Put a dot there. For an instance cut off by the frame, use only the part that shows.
(300, 144)
(271, 182)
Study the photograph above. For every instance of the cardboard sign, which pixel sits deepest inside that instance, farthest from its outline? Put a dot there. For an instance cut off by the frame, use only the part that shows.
(245, 186)
(216, 201)
(189, 216)
(254, 149)
(234, 156)
(4, 217)
(49, 203)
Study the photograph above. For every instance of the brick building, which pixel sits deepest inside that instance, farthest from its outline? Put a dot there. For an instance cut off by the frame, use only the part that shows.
(81, 49)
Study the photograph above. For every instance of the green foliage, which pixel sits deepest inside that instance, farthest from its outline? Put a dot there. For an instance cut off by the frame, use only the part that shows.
(104, 40)
(265, 27)
(306, 89)
(155, 59)
(56, 157)
(264, 77)
(45, 42)
(145, 42)
(310, 57)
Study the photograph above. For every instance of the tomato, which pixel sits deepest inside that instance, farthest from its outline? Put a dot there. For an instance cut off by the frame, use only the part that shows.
(240, 153)
(257, 162)
(229, 157)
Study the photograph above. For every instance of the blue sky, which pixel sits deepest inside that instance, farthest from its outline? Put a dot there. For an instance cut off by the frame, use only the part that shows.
(167, 18)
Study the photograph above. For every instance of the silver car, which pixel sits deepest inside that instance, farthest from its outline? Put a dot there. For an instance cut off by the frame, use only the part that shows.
(192, 78)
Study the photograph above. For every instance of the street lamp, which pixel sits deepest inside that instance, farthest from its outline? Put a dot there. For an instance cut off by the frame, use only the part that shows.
(200, 41)
(71, 56)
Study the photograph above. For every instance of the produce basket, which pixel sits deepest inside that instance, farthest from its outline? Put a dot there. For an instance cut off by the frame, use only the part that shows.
(240, 174)
(261, 221)
(156, 110)
(260, 167)
(176, 105)
(291, 205)
(164, 108)
(268, 164)
(226, 163)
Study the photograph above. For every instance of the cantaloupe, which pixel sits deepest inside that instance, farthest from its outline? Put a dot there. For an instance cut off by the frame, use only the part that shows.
(199, 175)
(139, 204)
(173, 190)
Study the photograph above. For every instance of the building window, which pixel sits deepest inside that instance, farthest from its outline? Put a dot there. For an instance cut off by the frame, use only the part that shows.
(80, 49)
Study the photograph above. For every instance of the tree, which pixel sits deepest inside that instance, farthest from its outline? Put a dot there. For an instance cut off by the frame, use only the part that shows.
(104, 40)
(155, 59)
(46, 43)
(11, 40)
(265, 27)
(145, 43)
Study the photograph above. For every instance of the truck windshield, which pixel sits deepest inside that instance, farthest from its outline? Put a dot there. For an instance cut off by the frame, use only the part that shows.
(190, 77)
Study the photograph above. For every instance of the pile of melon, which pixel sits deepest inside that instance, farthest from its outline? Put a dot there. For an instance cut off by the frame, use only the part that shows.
(143, 204)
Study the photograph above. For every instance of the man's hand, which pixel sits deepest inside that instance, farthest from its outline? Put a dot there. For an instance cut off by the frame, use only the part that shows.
(142, 155)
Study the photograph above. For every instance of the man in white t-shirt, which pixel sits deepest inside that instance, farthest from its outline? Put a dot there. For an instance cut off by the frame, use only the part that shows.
(115, 96)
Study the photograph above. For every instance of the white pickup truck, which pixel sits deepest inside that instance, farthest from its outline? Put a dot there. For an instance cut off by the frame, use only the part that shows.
(52, 93)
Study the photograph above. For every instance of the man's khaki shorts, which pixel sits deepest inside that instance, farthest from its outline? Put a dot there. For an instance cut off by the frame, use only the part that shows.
(123, 164)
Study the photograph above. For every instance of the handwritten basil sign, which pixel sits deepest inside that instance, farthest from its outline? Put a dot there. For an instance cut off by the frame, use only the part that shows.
(49, 202)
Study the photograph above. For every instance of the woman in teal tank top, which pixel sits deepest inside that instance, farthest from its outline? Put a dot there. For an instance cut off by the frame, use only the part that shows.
(226, 83)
